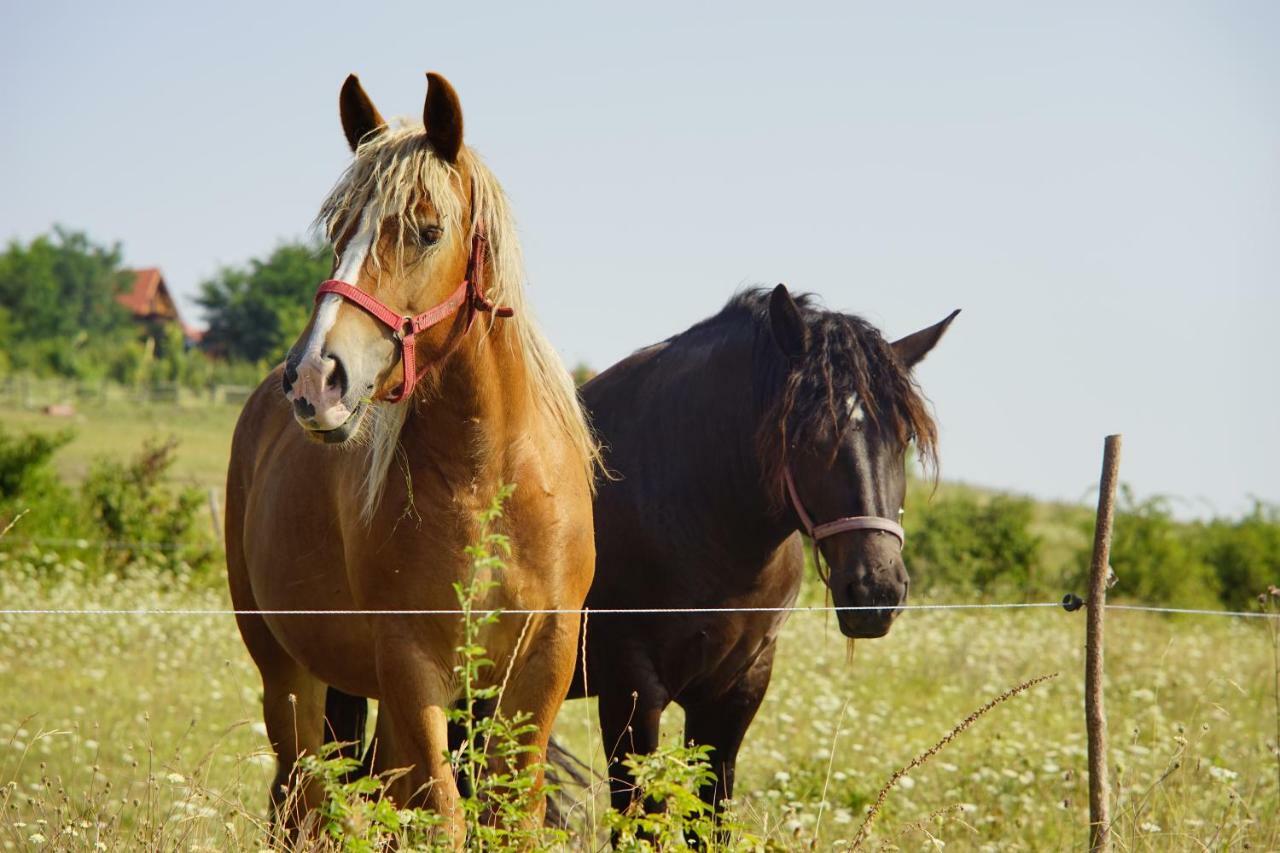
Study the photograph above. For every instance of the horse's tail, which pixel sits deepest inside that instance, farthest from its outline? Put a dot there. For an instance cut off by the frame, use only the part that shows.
(346, 718)
(572, 779)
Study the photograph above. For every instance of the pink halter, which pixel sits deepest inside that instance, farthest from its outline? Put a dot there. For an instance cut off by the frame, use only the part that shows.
(840, 525)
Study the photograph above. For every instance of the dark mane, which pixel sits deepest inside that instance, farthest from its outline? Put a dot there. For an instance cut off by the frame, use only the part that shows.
(803, 400)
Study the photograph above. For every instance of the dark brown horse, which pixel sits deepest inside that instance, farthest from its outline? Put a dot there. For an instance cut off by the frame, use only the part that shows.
(702, 433)
(428, 396)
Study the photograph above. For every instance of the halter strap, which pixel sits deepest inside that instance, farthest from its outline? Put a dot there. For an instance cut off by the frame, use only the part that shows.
(818, 532)
(404, 327)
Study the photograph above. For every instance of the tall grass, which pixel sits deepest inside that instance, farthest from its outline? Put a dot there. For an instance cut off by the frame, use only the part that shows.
(146, 732)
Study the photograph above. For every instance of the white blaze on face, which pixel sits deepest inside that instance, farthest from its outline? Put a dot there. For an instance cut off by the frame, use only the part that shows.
(349, 266)
(313, 368)
(854, 408)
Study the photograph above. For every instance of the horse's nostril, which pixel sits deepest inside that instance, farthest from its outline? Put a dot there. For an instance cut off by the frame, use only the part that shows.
(290, 374)
(337, 379)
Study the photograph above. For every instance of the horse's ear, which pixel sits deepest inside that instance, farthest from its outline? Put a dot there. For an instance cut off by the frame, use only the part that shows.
(914, 347)
(359, 116)
(789, 331)
(442, 117)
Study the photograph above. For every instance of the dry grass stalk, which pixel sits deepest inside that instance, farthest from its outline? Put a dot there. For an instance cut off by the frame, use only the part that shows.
(935, 749)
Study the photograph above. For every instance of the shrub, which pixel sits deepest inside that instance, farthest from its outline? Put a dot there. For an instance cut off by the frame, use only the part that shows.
(28, 482)
(133, 508)
(962, 542)
(1244, 555)
(25, 463)
(1156, 559)
(355, 814)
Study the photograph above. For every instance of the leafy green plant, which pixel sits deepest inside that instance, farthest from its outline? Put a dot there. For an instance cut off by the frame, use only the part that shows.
(1156, 559)
(962, 542)
(1244, 554)
(502, 791)
(135, 510)
(25, 463)
(669, 814)
(355, 815)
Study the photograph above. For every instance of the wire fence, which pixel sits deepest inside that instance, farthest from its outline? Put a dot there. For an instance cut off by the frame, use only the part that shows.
(92, 544)
(618, 611)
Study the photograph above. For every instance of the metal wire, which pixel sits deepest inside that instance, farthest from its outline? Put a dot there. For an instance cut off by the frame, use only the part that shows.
(623, 611)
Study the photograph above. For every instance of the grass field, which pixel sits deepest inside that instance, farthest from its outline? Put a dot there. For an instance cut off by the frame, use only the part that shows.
(119, 428)
(146, 731)
(120, 733)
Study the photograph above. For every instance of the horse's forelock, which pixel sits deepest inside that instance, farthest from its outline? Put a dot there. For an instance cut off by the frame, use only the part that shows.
(804, 399)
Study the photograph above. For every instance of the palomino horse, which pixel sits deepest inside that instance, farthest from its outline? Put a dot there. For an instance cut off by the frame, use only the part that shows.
(770, 418)
(430, 396)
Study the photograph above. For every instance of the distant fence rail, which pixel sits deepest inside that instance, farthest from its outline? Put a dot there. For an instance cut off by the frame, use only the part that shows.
(36, 394)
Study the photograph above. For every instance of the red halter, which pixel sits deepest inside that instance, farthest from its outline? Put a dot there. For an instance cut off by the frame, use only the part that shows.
(840, 525)
(404, 327)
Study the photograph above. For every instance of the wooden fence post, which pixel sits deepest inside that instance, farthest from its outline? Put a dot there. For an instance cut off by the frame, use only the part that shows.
(1095, 713)
(215, 514)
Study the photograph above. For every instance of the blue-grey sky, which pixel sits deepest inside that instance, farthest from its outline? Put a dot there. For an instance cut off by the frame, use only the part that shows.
(1097, 185)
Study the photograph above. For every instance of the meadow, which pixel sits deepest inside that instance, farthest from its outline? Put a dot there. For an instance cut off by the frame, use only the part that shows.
(145, 732)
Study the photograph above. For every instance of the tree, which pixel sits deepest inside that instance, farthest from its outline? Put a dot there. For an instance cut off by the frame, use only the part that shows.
(62, 285)
(255, 312)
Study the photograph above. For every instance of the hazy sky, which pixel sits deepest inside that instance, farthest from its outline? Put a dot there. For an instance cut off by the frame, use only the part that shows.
(1096, 185)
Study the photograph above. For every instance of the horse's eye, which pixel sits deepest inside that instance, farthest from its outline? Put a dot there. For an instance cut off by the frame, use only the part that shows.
(430, 235)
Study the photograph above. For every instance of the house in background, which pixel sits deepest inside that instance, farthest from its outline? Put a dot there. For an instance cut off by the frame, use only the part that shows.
(152, 306)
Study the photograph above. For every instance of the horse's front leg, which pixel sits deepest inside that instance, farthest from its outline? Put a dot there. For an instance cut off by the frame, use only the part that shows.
(417, 689)
(720, 721)
(630, 724)
(540, 673)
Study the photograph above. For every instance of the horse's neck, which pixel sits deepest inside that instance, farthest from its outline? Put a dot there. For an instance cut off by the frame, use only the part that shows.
(470, 422)
(721, 480)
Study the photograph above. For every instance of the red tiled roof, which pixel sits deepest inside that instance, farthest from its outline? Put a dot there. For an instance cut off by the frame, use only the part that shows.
(138, 298)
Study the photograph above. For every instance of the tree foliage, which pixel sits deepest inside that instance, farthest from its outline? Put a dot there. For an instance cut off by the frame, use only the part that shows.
(966, 542)
(256, 311)
(58, 309)
(62, 285)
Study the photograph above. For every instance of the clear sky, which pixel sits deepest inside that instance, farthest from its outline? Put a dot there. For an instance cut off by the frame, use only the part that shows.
(1097, 185)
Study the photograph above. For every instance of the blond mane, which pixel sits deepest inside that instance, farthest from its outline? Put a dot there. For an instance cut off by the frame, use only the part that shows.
(391, 173)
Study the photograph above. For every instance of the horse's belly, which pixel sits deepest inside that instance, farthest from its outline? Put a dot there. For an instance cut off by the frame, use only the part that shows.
(294, 554)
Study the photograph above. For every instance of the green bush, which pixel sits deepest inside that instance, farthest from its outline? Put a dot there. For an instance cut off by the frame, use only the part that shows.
(28, 483)
(26, 463)
(962, 542)
(124, 514)
(1157, 560)
(1244, 554)
(133, 508)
